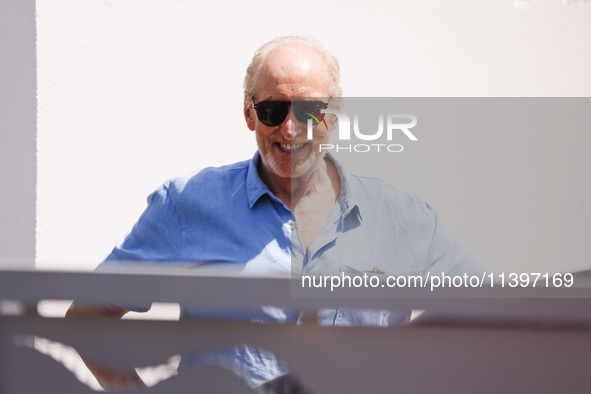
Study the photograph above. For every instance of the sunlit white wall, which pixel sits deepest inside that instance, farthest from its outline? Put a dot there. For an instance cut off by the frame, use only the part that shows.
(133, 92)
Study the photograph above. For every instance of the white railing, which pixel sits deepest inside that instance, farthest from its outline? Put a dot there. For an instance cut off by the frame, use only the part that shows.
(460, 345)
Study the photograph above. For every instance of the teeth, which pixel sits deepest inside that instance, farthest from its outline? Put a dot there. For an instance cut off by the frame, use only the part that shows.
(290, 147)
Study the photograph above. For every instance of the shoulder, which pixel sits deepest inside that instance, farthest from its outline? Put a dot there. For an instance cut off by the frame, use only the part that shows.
(374, 190)
(366, 188)
(208, 179)
(384, 203)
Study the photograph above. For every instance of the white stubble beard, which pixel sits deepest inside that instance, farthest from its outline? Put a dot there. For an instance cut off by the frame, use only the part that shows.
(293, 168)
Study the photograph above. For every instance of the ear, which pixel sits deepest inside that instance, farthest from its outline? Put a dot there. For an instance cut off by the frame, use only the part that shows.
(331, 119)
(249, 113)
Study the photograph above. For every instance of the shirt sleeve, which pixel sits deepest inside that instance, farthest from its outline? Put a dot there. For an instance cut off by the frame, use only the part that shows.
(157, 236)
(436, 251)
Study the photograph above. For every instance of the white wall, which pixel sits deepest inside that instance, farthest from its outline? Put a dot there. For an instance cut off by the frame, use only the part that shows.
(133, 92)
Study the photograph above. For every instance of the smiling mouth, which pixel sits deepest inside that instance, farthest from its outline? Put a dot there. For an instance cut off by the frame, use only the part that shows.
(290, 147)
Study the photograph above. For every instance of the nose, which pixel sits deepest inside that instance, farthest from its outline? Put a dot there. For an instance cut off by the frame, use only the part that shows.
(287, 129)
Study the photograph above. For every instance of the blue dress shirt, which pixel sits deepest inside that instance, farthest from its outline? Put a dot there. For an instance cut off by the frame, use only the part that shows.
(228, 215)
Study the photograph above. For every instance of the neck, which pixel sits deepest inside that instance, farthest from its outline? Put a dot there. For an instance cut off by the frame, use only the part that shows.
(292, 190)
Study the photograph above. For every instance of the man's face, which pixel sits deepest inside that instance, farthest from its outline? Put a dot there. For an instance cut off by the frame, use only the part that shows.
(285, 149)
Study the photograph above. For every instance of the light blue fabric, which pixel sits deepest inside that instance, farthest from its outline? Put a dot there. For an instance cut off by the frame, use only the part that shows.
(228, 215)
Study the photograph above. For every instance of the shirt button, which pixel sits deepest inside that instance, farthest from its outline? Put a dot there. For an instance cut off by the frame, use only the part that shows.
(292, 226)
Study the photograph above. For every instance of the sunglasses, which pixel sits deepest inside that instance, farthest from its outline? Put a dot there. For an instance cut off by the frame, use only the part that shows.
(273, 113)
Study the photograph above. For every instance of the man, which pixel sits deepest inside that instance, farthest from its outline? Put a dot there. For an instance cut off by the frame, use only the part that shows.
(289, 209)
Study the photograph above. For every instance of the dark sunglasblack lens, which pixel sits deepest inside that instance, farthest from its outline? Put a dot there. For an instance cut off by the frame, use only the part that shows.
(304, 110)
(272, 113)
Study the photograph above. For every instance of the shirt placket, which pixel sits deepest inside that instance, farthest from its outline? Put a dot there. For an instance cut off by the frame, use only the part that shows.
(329, 233)
(299, 258)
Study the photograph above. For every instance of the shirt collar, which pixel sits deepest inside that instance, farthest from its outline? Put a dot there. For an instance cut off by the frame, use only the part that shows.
(256, 188)
(347, 198)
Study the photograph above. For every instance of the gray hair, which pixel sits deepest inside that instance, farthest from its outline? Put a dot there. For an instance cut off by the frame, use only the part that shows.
(254, 68)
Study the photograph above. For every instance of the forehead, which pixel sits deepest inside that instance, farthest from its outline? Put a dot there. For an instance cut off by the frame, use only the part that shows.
(292, 71)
